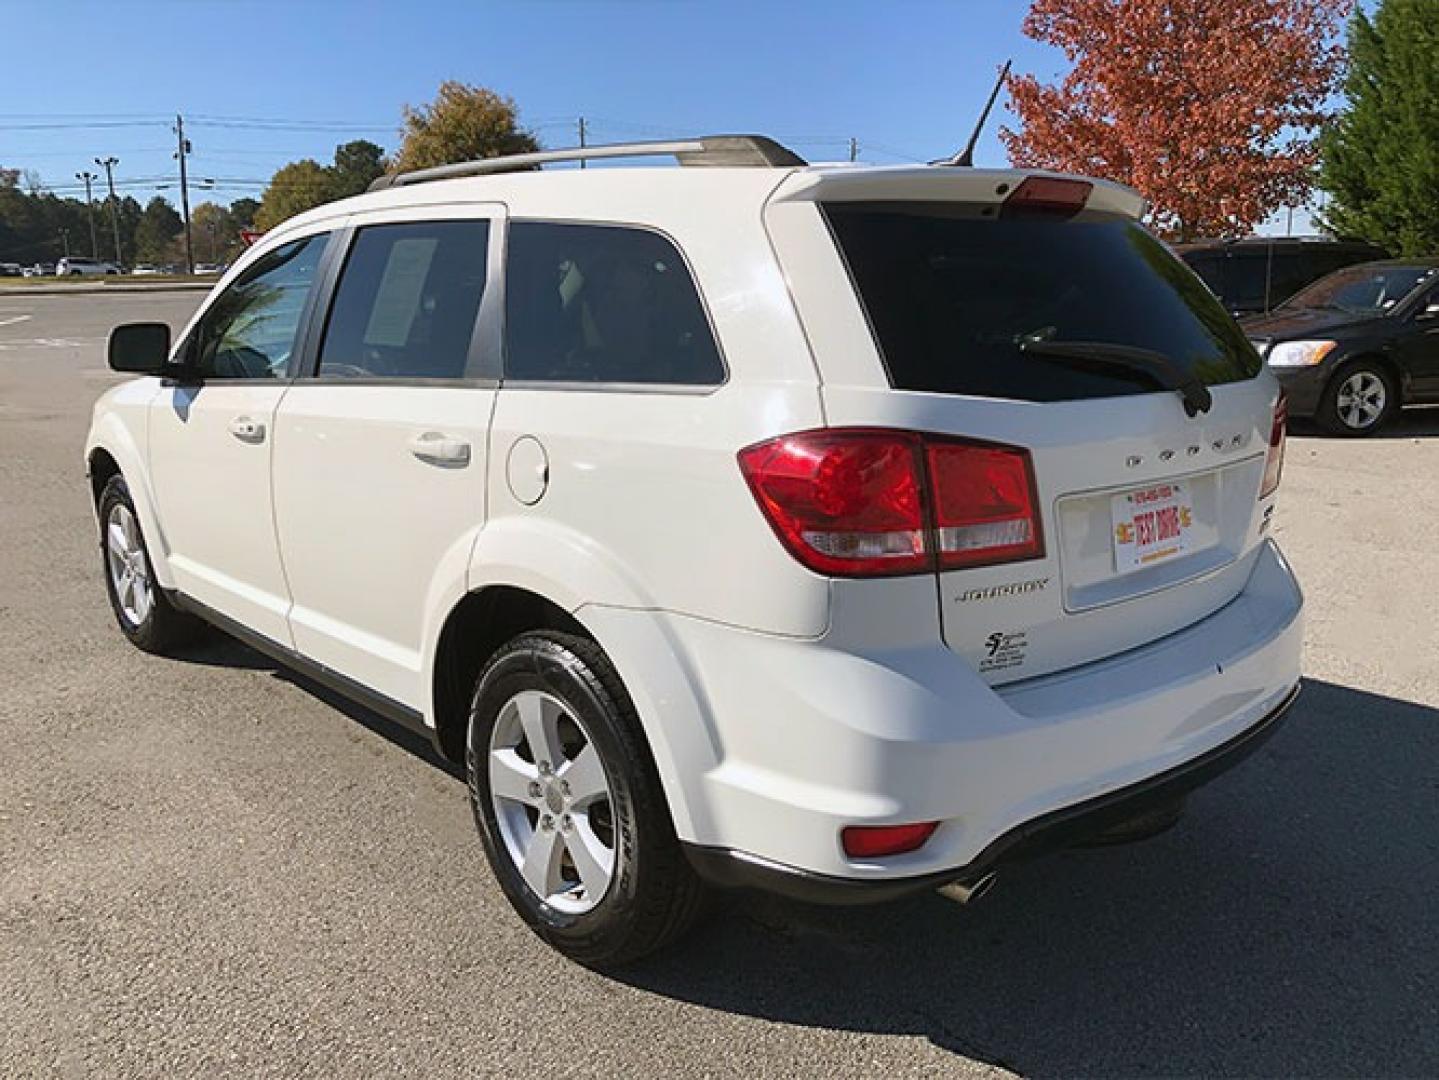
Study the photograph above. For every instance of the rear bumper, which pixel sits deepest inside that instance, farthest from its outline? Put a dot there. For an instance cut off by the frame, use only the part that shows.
(1050, 832)
(768, 747)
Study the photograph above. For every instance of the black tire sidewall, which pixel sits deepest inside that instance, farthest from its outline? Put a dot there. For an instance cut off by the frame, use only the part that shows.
(536, 662)
(1329, 406)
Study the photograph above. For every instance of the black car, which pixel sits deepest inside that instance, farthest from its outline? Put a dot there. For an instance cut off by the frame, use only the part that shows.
(1354, 347)
(1254, 276)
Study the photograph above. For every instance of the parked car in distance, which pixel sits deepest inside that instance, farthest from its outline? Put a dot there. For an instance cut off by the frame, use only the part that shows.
(40, 270)
(75, 266)
(142, 269)
(10, 269)
(1355, 347)
(839, 531)
(1256, 275)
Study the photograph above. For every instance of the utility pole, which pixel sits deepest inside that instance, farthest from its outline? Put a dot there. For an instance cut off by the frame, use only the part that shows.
(90, 178)
(108, 164)
(583, 133)
(853, 149)
(65, 241)
(182, 147)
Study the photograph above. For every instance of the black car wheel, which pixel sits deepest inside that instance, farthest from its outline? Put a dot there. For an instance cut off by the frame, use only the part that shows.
(1359, 400)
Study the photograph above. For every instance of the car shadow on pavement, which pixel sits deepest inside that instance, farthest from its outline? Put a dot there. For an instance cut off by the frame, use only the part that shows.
(220, 650)
(1289, 926)
(1414, 423)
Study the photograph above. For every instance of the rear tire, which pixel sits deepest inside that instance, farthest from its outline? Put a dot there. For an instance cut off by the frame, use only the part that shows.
(1360, 399)
(549, 709)
(144, 613)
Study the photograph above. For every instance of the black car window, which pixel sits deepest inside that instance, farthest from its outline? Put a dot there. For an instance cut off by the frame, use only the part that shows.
(1245, 275)
(951, 295)
(251, 329)
(1290, 273)
(1365, 288)
(407, 300)
(603, 304)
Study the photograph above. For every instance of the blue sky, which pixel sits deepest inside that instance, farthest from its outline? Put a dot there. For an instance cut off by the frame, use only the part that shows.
(262, 82)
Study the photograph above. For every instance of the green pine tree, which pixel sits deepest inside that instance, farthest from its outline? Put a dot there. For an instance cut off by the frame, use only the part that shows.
(1380, 159)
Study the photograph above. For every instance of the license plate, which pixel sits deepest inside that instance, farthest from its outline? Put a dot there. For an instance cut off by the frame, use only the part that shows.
(1151, 525)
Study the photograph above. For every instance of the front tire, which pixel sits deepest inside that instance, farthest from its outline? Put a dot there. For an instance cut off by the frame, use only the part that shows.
(1360, 399)
(141, 608)
(569, 805)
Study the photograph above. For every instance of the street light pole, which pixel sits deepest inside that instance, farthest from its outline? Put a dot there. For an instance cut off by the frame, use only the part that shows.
(108, 164)
(89, 178)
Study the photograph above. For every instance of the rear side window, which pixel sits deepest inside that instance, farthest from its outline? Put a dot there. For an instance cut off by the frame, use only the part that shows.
(951, 294)
(603, 304)
(406, 304)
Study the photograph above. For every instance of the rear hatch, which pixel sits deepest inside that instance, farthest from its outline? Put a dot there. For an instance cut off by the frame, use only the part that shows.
(1037, 327)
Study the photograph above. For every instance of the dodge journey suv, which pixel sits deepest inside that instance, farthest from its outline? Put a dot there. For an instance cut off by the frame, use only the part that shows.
(839, 531)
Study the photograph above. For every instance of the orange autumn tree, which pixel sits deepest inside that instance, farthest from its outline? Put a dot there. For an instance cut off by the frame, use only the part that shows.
(1208, 107)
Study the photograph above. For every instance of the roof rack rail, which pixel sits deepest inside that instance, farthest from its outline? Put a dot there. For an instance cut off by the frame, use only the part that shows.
(753, 150)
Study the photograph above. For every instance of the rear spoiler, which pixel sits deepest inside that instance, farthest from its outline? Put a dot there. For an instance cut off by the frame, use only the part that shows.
(926, 183)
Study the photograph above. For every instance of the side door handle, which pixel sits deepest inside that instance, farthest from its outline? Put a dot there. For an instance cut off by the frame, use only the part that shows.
(437, 448)
(247, 429)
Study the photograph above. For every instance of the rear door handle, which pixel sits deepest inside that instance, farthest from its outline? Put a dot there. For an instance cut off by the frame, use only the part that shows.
(247, 429)
(437, 448)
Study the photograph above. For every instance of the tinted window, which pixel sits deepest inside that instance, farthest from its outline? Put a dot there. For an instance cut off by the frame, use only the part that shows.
(407, 300)
(598, 303)
(1245, 273)
(951, 294)
(251, 329)
(1365, 288)
(1290, 274)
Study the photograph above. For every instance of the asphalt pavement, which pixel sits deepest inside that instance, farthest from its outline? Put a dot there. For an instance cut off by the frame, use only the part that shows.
(208, 866)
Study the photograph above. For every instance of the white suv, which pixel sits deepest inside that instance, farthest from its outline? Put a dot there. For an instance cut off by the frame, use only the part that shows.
(74, 266)
(841, 531)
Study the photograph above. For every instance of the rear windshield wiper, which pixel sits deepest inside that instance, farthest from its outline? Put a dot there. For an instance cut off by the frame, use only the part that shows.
(1159, 368)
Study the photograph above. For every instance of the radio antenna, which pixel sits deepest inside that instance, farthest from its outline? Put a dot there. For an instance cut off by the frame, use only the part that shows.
(965, 158)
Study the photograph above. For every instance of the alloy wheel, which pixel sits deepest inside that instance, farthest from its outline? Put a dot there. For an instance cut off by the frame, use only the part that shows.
(129, 569)
(1361, 399)
(552, 802)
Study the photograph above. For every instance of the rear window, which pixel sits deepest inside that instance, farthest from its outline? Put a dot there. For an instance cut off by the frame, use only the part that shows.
(950, 295)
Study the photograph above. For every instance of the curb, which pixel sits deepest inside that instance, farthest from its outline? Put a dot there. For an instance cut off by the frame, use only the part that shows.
(101, 290)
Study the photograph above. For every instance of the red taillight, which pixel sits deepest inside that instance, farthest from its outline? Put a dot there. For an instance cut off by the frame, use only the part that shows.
(984, 504)
(859, 502)
(844, 502)
(1046, 196)
(1274, 462)
(876, 841)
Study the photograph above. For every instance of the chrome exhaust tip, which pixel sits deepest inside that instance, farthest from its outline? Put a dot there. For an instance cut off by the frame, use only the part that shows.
(968, 892)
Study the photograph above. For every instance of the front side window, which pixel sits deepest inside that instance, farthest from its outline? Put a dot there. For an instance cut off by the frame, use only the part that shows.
(407, 301)
(603, 304)
(252, 328)
(957, 300)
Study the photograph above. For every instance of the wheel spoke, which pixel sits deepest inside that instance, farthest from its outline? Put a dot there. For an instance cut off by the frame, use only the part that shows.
(511, 777)
(115, 540)
(540, 720)
(541, 866)
(593, 861)
(125, 590)
(586, 778)
(141, 602)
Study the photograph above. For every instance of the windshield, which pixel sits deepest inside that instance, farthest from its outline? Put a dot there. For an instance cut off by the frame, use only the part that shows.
(1366, 289)
(953, 293)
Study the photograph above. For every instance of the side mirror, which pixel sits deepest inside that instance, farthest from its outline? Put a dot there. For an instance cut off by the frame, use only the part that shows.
(140, 348)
